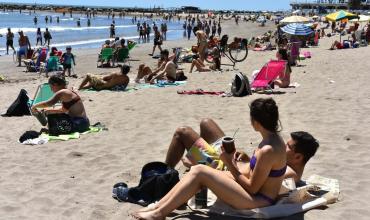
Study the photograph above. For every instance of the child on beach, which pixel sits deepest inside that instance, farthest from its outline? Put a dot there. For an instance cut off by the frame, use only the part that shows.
(67, 59)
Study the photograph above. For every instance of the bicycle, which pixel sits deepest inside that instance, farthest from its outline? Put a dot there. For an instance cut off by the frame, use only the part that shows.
(236, 51)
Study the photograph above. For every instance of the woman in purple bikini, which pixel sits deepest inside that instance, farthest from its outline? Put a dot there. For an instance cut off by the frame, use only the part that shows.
(256, 187)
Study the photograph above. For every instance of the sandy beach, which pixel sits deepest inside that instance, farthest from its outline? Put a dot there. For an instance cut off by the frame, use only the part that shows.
(74, 179)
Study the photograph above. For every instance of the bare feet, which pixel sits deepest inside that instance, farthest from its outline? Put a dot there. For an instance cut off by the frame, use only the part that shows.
(150, 207)
(150, 215)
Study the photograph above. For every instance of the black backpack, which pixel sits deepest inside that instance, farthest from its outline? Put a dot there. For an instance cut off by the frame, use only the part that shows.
(157, 179)
(240, 85)
(20, 106)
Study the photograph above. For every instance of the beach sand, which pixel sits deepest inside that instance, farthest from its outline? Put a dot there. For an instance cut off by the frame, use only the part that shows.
(74, 179)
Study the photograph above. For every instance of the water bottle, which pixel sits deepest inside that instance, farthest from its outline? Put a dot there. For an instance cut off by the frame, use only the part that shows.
(201, 196)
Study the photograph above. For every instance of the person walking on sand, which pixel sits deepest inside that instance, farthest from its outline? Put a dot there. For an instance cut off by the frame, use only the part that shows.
(219, 29)
(158, 40)
(67, 60)
(9, 41)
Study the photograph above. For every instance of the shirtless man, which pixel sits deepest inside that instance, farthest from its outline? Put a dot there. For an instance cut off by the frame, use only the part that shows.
(24, 46)
(166, 71)
(299, 149)
(106, 82)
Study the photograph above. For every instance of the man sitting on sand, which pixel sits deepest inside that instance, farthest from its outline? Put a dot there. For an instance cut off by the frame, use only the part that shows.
(106, 82)
(299, 149)
(167, 70)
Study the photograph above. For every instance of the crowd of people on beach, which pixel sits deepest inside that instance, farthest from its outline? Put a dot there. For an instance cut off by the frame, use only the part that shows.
(240, 180)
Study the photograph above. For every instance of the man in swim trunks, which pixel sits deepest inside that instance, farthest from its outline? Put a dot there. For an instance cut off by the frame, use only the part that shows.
(166, 71)
(24, 46)
(106, 82)
(299, 149)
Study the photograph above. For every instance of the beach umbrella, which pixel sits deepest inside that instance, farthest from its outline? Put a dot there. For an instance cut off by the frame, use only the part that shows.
(361, 18)
(295, 19)
(297, 29)
(340, 15)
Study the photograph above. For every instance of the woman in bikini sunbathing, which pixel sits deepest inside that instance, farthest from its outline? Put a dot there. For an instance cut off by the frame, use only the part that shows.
(258, 187)
(71, 104)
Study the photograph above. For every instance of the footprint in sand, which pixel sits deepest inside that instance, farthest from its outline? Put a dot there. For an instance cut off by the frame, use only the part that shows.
(75, 154)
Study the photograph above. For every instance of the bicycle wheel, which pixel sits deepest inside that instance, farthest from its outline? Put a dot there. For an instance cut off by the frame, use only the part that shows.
(239, 54)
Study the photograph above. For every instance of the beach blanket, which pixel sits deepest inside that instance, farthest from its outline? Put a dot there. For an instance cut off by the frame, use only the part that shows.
(199, 92)
(131, 88)
(114, 89)
(45, 138)
(160, 84)
(318, 191)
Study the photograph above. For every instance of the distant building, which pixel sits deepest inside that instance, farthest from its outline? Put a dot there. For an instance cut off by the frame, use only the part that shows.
(190, 9)
(327, 4)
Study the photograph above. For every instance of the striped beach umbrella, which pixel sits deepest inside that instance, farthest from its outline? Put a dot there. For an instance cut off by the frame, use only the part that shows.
(340, 15)
(297, 29)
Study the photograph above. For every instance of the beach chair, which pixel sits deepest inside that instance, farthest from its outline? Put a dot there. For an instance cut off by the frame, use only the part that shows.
(122, 56)
(43, 93)
(106, 55)
(52, 64)
(269, 72)
(32, 66)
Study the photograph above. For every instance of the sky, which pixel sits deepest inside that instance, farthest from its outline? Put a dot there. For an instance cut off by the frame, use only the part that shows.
(203, 4)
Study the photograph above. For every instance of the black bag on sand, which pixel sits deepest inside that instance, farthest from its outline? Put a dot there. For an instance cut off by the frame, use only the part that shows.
(157, 179)
(59, 124)
(240, 85)
(20, 106)
(29, 135)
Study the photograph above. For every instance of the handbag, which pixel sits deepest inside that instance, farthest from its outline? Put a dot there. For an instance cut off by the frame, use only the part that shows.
(59, 124)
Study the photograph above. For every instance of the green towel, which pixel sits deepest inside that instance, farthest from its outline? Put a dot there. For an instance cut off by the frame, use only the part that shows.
(75, 135)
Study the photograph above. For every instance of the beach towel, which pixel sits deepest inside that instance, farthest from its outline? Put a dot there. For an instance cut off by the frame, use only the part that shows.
(318, 191)
(199, 92)
(45, 138)
(160, 84)
(114, 89)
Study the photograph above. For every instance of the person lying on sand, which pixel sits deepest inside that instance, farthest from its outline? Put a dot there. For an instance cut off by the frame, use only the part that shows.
(257, 188)
(106, 82)
(167, 70)
(299, 149)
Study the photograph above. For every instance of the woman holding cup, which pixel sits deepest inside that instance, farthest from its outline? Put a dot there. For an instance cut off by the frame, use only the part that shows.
(258, 187)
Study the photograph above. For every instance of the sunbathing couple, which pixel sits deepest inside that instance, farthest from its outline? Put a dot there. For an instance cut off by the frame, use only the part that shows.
(167, 70)
(107, 82)
(242, 187)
